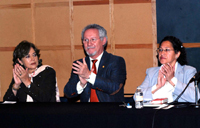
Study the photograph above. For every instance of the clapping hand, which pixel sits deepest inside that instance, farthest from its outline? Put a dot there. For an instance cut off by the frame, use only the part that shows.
(20, 75)
(161, 80)
(81, 69)
(168, 71)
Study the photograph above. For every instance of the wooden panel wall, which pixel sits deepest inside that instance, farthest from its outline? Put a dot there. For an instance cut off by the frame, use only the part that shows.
(55, 27)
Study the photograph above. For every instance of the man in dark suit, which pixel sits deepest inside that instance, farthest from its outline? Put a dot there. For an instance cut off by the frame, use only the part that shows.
(100, 76)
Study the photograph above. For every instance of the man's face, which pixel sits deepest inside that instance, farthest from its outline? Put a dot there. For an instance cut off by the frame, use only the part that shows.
(93, 45)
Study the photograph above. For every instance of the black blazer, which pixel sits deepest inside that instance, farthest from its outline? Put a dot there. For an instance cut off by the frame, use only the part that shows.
(109, 83)
(43, 88)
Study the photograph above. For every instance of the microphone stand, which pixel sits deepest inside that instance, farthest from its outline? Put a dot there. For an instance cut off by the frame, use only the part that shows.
(175, 102)
(195, 78)
(196, 94)
(196, 105)
(180, 105)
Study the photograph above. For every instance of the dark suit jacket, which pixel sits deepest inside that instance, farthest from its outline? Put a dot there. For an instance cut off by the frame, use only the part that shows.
(109, 83)
(42, 89)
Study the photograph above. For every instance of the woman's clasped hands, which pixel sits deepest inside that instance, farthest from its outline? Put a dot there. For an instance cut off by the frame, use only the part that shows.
(20, 75)
(166, 73)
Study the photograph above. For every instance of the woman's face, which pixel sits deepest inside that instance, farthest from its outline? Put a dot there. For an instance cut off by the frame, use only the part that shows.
(30, 61)
(167, 53)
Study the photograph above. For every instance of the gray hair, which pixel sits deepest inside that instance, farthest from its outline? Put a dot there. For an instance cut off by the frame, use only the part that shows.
(102, 32)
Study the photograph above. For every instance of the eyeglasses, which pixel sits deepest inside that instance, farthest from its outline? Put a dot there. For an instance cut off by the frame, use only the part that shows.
(166, 50)
(92, 40)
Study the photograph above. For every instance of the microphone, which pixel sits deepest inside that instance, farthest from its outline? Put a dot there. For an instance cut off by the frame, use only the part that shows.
(195, 78)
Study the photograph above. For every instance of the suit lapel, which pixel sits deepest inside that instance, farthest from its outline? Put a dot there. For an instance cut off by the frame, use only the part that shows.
(87, 59)
(179, 72)
(103, 62)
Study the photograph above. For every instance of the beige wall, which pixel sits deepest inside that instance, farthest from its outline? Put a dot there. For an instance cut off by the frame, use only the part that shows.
(55, 27)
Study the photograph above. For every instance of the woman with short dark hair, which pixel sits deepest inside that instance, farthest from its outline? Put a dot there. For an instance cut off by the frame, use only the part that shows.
(169, 80)
(32, 81)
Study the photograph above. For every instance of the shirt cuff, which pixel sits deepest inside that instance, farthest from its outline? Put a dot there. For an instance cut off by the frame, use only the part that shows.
(153, 88)
(174, 80)
(92, 78)
(79, 88)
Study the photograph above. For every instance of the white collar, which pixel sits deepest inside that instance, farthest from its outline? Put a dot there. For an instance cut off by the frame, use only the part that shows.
(176, 67)
(98, 58)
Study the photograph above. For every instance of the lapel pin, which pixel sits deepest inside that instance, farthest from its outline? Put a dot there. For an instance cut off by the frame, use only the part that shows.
(103, 66)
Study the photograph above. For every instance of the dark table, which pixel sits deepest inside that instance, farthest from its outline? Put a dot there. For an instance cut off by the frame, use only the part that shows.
(95, 115)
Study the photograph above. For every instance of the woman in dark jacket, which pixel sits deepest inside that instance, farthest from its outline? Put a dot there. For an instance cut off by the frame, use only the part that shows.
(32, 81)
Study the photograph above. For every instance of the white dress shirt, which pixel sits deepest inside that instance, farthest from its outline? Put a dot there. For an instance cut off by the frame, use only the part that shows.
(167, 90)
(92, 76)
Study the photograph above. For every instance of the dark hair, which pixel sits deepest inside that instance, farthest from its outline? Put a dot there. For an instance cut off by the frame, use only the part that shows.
(23, 49)
(102, 32)
(178, 46)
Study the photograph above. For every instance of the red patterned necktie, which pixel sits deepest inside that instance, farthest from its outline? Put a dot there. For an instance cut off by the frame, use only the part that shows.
(93, 95)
